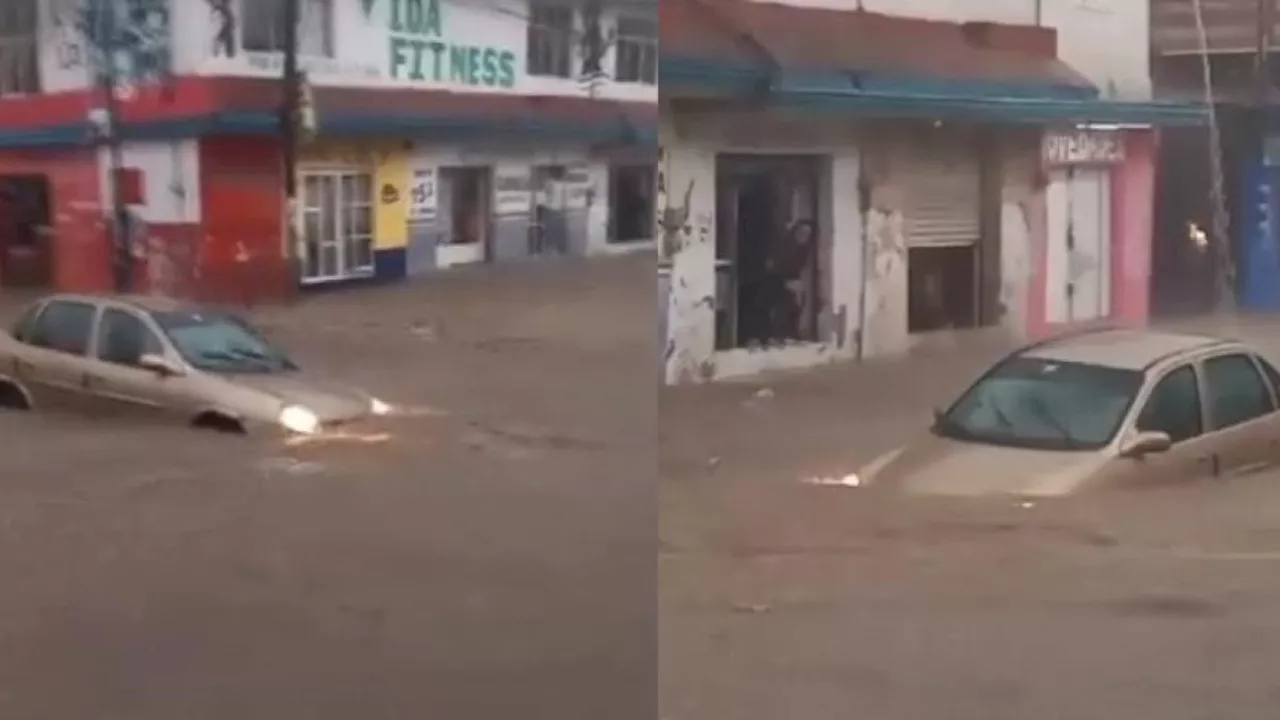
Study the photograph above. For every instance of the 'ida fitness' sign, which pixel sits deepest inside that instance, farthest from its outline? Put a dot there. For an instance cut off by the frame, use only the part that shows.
(420, 51)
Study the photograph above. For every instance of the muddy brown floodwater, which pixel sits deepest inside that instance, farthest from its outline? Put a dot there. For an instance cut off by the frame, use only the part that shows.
(493, 561)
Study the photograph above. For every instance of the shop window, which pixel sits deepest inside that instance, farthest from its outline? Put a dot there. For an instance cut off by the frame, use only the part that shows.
(631, 191)
(19, 48)
(337, 227)
(262, 27)
(550, 38)
(637, 53)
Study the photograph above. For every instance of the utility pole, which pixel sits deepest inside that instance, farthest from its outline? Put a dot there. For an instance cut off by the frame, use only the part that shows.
(121, 234)
(289, 122)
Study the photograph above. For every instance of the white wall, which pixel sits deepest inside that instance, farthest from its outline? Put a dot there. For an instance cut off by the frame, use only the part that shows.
(364, 50)
(1106, 40)
(188, 32)
(171, 179)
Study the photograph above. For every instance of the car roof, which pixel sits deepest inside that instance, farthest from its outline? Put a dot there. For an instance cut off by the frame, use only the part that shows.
(145, 303)
(1126, 349)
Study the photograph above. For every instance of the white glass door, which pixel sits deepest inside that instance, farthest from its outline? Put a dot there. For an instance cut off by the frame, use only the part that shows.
(337, 226)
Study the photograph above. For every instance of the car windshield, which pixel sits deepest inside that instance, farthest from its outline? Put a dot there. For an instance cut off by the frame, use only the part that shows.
(1039, 403)
(221, 343)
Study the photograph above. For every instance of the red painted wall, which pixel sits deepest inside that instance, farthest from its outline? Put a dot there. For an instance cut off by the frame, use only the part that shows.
(242, 197)
(81, 251)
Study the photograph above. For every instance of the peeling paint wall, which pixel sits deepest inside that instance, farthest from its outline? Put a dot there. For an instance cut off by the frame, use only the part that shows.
(686, 205)
(1023, 231)
(687, 222)
(885, 310)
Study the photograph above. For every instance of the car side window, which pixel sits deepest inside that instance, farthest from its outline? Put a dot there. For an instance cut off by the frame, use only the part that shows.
(1236, 390)
(123, 338)
(64, 326)
(1174, 406)
(25, 327)
(1273, 376)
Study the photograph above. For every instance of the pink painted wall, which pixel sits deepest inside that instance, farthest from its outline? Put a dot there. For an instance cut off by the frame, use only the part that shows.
(1132, 210)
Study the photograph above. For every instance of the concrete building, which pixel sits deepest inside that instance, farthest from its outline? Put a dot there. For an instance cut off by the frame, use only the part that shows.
(967, 166)
(447, 133)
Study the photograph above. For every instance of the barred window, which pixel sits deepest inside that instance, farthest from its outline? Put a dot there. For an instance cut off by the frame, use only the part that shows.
(262, 27)
(550, 41)
(637, 50)
(19, 48)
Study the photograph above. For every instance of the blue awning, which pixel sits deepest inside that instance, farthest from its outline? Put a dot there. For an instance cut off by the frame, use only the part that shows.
(895, 95)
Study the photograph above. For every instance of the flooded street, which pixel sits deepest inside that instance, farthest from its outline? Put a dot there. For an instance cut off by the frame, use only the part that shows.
(785, 600)
(492, 559)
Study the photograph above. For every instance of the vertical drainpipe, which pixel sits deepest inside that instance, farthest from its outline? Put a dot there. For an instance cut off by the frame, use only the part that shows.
(868, 257)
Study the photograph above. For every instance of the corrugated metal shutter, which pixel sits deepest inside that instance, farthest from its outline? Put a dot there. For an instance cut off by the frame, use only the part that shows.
(941, 185)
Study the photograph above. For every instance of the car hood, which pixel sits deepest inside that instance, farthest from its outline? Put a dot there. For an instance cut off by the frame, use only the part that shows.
(934, 465)
(330, 400)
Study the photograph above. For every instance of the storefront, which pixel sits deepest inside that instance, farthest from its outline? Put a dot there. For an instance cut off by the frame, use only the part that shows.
(941, 178)
(1098, 200)
(1005, 206)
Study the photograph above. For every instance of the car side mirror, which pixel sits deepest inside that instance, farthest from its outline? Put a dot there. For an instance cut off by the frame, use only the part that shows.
(159, 365)
(1146, 443)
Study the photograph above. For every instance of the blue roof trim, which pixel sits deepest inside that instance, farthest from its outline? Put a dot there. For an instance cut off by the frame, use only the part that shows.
(1006, 110)
(617, 132)
(897, 96)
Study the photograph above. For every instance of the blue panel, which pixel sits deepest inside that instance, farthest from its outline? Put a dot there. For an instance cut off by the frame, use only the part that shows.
(894, 96)
(620, 131)
(1258, 262)
(390, 264)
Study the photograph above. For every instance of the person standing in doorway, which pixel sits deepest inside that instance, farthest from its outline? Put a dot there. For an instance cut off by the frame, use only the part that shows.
(793, 272)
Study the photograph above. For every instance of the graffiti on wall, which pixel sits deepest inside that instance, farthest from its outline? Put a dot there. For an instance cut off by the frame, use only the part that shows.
(134, 35)
(223, 15)
(593, 45)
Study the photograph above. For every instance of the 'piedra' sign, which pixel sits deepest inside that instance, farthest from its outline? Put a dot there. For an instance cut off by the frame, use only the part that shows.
(419, 51)
(1082, 147)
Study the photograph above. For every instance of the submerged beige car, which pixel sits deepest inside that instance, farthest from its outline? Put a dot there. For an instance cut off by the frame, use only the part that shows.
(1097, 408)
(157, 358)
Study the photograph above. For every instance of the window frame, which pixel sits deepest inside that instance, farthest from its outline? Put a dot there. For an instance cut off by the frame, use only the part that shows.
(89, 350)
(20, 49)
(1211, 422)
(1198, 377)
(29, 316)
(274, 37)
(143, 320)
(643, 49)
(347, 207)
(550, 41)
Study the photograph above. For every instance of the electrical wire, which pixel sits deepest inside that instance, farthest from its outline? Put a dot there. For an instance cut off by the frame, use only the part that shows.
(1221, 220)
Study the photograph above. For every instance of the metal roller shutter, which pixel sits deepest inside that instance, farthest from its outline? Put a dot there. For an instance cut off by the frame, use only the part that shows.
(941, 183)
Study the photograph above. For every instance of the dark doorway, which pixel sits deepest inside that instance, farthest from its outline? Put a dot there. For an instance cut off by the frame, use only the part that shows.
(26, 239)
(1185, 249)
(767, 254)
(631, 189)
(942, 288)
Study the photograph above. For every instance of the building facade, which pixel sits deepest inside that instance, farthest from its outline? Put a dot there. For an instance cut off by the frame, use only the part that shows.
(981, 167)
(442, 134)
(1196, 263)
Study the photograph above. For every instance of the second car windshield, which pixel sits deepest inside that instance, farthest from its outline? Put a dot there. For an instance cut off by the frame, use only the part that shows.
(1032, 402)
(221, 343)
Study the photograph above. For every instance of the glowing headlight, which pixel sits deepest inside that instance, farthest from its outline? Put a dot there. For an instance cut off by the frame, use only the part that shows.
(378, 407)
(299, 420)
